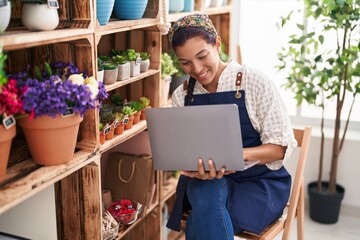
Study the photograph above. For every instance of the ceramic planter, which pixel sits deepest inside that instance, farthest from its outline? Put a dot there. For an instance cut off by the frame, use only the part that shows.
(110, 76)
(325, 207)
(144, 65)
(137, 117)
(189, 6)
(100, 76)
(129, 123)
(51, 141)
(104, 9)
(216, 3)
(39, 17)
(6, 136)
(134, 68)
(176, 5)
(123, 71)
(130, 9)
(5, 14)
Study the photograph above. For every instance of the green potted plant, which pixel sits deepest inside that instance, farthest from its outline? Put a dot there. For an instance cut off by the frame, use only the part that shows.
(145, 61)
(129, 114)
(145, 104)
(34, 13)
(167, 70)
(100, 70)
(123, 67)
(119, 124)
(108, 119)
(134, 58)
(110, 72)
(117, 101)
(137, 106)
(322, 69)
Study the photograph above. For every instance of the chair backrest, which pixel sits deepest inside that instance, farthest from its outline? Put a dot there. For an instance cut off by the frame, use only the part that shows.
(302, 137)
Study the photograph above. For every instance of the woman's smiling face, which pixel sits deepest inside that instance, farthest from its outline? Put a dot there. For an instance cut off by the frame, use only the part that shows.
(200, 59)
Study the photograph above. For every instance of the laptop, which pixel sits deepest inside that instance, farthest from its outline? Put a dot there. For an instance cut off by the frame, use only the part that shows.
(179, 136)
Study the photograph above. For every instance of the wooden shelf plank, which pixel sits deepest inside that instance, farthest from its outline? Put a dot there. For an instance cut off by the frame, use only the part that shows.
(139, 77)
(116, 25)
(209, 11)
(39, 179)
(12, 40)
(137, 128)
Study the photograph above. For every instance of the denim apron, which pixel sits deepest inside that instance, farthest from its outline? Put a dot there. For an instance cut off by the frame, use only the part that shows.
(258, 195)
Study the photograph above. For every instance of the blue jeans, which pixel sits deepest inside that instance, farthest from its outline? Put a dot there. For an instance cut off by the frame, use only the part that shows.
(209, 218)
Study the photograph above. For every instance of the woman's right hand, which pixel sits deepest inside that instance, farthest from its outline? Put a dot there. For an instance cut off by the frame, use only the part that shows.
(206, 175)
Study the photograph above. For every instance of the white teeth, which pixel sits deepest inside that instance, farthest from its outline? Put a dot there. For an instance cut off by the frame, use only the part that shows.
(203, 75)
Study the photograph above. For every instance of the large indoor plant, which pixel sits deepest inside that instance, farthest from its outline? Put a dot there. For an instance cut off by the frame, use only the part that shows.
(56, 98)
(326, 68)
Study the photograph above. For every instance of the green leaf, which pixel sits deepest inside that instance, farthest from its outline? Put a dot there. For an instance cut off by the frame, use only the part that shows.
(321, 39)
(300, 26)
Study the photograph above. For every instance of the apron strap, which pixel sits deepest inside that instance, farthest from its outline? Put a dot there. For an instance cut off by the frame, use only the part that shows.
(238, 84)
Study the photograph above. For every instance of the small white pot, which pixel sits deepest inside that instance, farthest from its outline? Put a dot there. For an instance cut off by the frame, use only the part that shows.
(134, 68)
(100, 76)
(145, 64)
(5, 14)
(123, 71)
(39, 17)
(216, 3)
(110, 76)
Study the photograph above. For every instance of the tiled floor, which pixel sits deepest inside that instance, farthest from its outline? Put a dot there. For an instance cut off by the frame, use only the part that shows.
(346, 228)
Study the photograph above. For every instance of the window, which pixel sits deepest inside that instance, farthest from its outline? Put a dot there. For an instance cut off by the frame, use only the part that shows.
(261, 40)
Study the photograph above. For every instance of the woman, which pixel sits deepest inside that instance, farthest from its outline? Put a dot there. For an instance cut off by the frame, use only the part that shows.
(225, 202)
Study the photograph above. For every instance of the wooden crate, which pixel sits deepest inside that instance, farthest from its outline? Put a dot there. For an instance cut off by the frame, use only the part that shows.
(72, 14)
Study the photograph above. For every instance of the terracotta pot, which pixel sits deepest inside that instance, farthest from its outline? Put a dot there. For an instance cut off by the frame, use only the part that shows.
(102, 137)
(110, 134)
(130, 123)
(6, 136)
(143, 115)
(51, 141)
(119, 129)
(137, 117)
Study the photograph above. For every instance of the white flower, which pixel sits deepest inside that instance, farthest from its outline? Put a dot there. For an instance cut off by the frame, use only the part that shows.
(93, 86)
(77, 79)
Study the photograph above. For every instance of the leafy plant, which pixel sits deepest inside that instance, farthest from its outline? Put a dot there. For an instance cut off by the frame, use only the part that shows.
(116, 99)
(322, 69)
(3, 78)
(128, 110)
(145, 102)
(104, 58)
(131, 54)
(144, 55)
(101, 126)
(167, 66)
(110, 66)
(119, 116)
(137, 106)
(114, 52)
(100, 64)
(119, 59)
(107, 118)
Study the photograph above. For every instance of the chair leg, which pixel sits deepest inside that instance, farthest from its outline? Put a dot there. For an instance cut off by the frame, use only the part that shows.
(300, 213)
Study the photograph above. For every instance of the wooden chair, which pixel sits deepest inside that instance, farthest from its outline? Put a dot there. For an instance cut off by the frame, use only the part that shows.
(295, 207)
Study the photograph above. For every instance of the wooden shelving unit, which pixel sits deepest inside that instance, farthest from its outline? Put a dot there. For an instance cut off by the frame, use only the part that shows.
(80, 39)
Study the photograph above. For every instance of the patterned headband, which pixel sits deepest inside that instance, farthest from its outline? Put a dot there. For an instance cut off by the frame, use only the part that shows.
(201, 21)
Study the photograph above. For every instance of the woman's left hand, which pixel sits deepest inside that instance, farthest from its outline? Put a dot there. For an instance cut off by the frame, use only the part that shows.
(206, 175)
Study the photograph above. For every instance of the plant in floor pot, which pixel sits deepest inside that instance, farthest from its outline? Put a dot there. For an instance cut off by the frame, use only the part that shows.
(56, 101)
(145, 61)
(167, 70)
(324, 68)
(145, 104)
(10, 105)
(129, 114)
(110, 72)
(137, 106)
(123, 67)
(5, 15)
(40, 15)
(134, 58)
